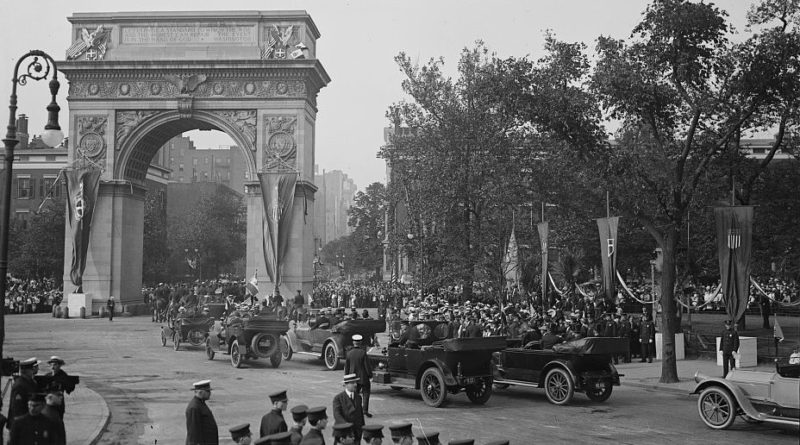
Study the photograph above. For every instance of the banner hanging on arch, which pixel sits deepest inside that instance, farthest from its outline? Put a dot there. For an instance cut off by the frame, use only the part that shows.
(734, 244)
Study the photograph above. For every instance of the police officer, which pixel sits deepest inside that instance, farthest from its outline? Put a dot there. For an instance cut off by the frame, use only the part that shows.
(343, 434)
(647, 338)
(201, 428)
(24, 386)
(273, 422)
(401, 434)
(428, 438)
(240, 434)
(729, 343)
(372, 434)
(356, 363)
(110, 304)
(53, 400)
(299, 415)
(318, 420)
(33, 428)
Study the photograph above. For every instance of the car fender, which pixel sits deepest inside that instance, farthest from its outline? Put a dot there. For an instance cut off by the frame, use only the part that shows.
(566, 365)
(338, 340)
(447, 373)
(741, 399)
(291, 338)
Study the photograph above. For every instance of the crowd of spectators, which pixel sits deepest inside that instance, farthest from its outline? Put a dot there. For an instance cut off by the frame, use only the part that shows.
(31, 296)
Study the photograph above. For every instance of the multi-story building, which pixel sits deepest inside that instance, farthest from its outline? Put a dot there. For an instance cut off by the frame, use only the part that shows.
(188, 164)
(335, 195)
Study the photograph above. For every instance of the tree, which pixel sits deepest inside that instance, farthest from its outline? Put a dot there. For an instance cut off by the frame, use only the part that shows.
(37, 249)
(155, 255)
(366, 217)
(684, 94)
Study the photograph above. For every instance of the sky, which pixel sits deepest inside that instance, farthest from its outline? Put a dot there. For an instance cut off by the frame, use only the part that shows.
(359, 41)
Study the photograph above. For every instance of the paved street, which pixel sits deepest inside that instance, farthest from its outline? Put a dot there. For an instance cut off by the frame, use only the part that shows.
(147, 387)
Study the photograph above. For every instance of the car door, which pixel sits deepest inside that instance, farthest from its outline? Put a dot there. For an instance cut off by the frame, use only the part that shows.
(784, 391)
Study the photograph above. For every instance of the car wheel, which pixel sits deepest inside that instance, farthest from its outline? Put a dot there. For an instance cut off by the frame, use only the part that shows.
(480, 392)
(209, 349)
(599, 390)
(559, 386)
(332, 362)
(716, 407)
(196, 337)
(432, 387)
(176, 341)
(163, 339)
(236, 355)
(286, 349)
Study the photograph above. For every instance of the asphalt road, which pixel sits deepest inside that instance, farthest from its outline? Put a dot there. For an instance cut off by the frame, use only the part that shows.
(147, 387)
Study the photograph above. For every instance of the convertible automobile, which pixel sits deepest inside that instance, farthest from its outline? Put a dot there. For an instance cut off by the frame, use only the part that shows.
(579, 365)
(328, 338)
(246, 334)
(757, 396)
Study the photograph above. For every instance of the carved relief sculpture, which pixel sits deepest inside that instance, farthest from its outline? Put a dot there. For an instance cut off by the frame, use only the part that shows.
(278, 45)
(280, 151)
(91, 45)
(244, 121)
(127, 121)
(91, 138)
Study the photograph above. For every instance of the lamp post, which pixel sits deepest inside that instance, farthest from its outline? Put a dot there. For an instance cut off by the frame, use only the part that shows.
(39, 66)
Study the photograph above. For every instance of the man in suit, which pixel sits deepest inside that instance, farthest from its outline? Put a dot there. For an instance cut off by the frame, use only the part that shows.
(729, 343)
(24, 386)
(273, 422)
(318, 420)
(357, 363)
(347, 407)
(201, 428)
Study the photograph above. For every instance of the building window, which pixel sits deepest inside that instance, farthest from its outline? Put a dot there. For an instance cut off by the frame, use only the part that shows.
(50, 158)
(24, 187)
(22, 216)
(180, 167)
(206, 160)
(194, 161)
(181, 152)
(51, 187)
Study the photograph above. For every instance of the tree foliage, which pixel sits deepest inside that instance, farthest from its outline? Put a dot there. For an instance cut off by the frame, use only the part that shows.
(366, 217)
(155, 256)
(36, 249)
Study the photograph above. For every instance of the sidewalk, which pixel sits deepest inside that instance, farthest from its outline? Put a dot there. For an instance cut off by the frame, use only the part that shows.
(647, 375)
(85, 417)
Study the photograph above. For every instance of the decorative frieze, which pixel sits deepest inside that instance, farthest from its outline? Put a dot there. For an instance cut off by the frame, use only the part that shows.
(127, 121)
(201, 89)
(91, 138)
(280, 149)
(244, 121)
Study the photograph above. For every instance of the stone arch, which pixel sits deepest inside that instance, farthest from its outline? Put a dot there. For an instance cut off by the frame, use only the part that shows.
(140, 144)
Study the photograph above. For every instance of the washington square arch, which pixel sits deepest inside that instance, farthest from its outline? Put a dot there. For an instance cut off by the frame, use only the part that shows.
(136, 80)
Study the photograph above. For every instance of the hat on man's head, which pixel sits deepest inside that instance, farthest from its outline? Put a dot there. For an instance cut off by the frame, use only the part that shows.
(29, 363)
(240, 431)
(428, 438)
(350, 378)
(316, 413)
(279, 396)
(400, 430)
(343, 429)
(202, 385)
(357, 337)
(372, 431)
(299, 412)
(56, 359)
(462, 442)
(37, 397)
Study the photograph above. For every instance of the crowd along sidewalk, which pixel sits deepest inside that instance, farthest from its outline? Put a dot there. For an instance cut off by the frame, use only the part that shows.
(647, 375)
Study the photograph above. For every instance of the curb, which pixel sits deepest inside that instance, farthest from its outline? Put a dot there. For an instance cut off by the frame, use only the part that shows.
(93, 436)
(658, 387)
(97, 434)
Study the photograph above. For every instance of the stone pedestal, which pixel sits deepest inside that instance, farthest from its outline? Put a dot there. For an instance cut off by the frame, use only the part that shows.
(680, 352)
(748, 353)
(77, 301)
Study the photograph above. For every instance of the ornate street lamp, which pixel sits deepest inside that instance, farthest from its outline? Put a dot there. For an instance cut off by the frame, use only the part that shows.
(39, 66)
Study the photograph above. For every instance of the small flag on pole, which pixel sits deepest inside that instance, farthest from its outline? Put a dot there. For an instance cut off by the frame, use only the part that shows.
(252, 285)
(777, 331)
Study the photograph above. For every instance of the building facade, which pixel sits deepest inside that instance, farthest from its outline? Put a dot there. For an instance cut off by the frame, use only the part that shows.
(224, 166)
(336, 194)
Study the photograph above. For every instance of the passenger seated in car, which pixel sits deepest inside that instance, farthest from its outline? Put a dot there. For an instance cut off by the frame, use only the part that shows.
(322, 319)
(548, 338)
(410, 338)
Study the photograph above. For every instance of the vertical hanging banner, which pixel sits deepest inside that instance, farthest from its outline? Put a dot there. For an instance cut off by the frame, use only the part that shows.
(543, 231)
(277, 192)
(608, 252)
(82, 186)
(734, 236)
(511, 262)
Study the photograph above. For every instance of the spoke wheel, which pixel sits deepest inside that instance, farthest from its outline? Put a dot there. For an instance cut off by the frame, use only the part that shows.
(236, 356)
(196, 337)
(716, 407)
(559, 386)
(480, 392)
(599, 390)
(432, 387)
(209, 349)
(332, 362)
(286, 349)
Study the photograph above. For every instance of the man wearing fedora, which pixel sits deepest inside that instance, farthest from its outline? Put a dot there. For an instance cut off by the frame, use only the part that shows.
(22, 390)
(273, 421)
(357, 363)
(347, 406)
(201, 428)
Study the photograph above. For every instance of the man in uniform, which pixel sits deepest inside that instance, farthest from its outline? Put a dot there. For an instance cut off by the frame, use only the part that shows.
(33, 428)
(201, 428)
(343, 434)
(729, 343)
(53, 401)
(111, 304)
(240, 434)
(24, 386)
(428, 438)
(647, 338)
(347, 407)
(356, 363)
(273, 422)
(318, 420)
(284, 438)
(401, 434)
(299, 414)
(372, 434)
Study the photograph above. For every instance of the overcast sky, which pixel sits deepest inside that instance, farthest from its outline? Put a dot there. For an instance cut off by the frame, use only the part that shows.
(359, 41)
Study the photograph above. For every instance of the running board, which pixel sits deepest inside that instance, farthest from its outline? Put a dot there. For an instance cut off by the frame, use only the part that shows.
(515, 382)
(317, 354)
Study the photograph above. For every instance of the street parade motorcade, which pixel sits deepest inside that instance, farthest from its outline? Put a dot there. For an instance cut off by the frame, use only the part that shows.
(327, 334)
(582, 365)
(190, 325)
(756, 396)
(247, 333)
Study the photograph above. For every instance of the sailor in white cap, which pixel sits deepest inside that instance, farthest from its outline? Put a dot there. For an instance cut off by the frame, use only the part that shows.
(22, 390)
(347, 406)
(201, 428)
(356, 362)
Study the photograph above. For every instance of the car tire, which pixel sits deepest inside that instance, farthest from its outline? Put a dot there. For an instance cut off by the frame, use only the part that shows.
(716, 407)
(236, 355)
(163, 339)
(480, 393)
(331, 357)
(432, 387)
(558, 386)
(209, 349)
(599, 390)
(275, 359)
(258, 351)
(286, 348)
(196, 337)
